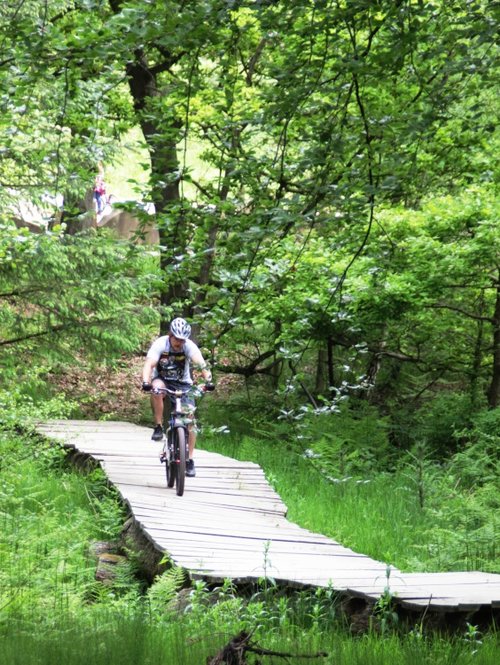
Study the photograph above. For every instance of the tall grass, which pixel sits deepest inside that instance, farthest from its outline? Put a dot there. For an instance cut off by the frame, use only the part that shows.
(136, 640)
(108, 640)
(379, 515)
(49, 516)
(52, 611)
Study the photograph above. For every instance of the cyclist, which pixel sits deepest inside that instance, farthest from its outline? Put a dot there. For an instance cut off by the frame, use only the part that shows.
(168, 364)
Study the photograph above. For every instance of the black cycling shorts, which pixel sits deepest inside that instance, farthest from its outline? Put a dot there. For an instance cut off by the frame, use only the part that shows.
(187, 399)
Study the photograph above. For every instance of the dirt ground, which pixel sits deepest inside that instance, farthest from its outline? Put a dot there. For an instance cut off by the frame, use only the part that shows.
(114, 393)
(106, 392)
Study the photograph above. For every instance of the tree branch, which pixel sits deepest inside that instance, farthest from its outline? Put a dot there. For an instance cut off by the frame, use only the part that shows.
(459, 310)
(251, 368)
(40, 333)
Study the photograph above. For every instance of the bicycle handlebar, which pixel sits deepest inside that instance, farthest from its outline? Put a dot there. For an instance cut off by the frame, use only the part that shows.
(179, 392)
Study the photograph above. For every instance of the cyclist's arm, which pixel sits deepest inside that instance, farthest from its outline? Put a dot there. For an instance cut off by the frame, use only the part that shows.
(147, 370)
(200, 365)
(206, 374)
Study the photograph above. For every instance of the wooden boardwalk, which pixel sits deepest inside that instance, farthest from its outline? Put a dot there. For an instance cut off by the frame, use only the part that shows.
(230, 524)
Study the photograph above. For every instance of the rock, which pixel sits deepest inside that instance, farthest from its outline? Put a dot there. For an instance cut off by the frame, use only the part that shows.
(106, 567)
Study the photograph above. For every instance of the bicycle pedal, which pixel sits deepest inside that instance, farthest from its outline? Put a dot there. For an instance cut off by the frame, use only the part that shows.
(163, 457)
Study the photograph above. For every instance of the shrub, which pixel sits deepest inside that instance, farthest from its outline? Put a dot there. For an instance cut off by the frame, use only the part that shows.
(477, 463)
(438, 421)
(353, 442)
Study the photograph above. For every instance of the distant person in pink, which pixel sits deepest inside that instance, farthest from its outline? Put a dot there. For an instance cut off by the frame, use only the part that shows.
(100, 192)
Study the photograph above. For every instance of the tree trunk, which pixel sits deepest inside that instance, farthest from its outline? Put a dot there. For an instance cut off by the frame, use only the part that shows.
(164, 174)
(320, 371)
(494, 389)
(331, 372)
(162, 145)
(372, 371)
(476, 363)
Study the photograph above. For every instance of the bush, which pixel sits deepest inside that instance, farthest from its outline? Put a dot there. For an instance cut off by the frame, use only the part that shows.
(477, 463)
(438, 421)
(353, 442)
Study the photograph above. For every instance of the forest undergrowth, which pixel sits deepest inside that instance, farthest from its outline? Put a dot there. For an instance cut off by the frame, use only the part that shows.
(410, 512)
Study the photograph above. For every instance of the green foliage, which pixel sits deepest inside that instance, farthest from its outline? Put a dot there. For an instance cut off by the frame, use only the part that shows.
(18, 408)
(295, 139)
(352, 442)
(461, 530)
(42, 618)
(51, 515)
(422, 472)
(162, 594)
(477, 462)
(385, 614)
(131, 639)
(339, 204)
(438, 421)
(462, 499)
(63, 295)
(412, 511)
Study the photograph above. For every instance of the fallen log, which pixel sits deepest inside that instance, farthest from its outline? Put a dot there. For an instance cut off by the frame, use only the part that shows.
(234, 653)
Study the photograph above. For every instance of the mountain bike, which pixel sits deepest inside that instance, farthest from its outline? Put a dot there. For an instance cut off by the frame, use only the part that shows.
(175, 450)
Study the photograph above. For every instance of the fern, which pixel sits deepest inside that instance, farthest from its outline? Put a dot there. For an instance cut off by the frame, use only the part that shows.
(163, 593)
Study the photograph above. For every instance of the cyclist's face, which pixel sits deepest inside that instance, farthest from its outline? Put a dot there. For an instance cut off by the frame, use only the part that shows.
(176, 343)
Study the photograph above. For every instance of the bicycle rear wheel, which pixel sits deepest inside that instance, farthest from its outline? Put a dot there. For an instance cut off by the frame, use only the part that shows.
(180, 459)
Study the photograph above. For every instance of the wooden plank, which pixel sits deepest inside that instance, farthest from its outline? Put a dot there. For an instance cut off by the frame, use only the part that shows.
(225, 548)
(244, 511)
(262, 531)
(251, 534)
(268, 527)
(135, 491)
(82, 425)
(227, 497)
(200, 482)
(183, 519)
(203, 480)
(248, 475)
(227, 520)
(281, 564)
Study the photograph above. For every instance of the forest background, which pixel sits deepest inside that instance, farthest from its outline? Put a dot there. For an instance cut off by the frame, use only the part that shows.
(324, 179)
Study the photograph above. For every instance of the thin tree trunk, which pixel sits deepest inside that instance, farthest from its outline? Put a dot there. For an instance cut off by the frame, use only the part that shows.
(494, 389)
(164, 169)
(476, 363)
(331, 368)
(320, 371)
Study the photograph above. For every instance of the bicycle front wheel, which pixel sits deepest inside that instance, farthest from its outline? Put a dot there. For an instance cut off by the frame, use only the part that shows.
(170, 465)
(180, 460)
(171, 470)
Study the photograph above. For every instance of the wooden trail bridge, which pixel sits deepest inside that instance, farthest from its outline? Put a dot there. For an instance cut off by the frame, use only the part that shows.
(230, 524)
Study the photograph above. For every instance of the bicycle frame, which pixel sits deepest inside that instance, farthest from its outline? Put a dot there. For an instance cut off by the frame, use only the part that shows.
(176, 443)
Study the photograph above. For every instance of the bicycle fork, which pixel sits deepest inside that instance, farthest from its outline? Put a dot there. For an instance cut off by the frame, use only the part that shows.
(168, 453)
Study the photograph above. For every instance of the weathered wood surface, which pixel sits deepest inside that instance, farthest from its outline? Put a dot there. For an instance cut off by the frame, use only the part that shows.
(231, 524)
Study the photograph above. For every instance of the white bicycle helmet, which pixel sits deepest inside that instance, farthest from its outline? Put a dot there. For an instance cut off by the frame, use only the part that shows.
(180, 328)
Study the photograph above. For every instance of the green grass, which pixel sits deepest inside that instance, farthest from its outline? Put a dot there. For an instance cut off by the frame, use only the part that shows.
(136, 640)
(53, 611)
(378, 515)
(129, 171)
(49, 516)
(108, 640)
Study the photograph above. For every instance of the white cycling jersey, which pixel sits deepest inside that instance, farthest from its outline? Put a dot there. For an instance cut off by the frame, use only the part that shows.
(174, 365)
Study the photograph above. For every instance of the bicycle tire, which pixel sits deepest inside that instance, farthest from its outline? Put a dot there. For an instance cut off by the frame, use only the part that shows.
(180, 459)
(170, 466)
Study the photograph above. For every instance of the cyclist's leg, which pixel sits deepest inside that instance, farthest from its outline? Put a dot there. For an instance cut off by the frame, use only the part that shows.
(190, 407)
(157, 402)
(192, 439)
